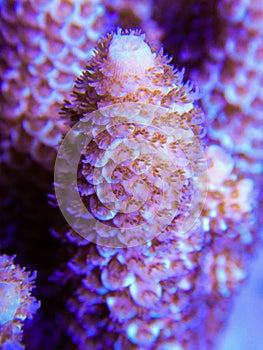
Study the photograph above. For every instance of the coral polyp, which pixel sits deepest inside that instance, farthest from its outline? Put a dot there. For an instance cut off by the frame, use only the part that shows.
(158, 181)
(137, 130)
(140, 170)
(39, 47)
(45, 45)
(16, 302)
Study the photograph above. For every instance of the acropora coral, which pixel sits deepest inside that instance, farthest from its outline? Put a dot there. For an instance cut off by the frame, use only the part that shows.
(220, 42)
(130, 125)
(129, 72)
(148, 293)
(16, 302)
(45, 45)
(231, 78)
(39, 64)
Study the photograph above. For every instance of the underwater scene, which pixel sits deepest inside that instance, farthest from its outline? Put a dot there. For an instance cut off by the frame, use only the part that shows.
(131, 161)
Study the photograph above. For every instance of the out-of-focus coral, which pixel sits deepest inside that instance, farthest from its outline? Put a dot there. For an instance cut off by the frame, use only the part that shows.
(20, 217)
(45, 45)
(173, 291)
(231, 77)
(137, 14)
(16, 302)
(220, 43)
(230, 223)
(41, 55)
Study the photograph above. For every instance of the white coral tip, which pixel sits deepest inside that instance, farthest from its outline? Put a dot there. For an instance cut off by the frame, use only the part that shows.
(130, 55)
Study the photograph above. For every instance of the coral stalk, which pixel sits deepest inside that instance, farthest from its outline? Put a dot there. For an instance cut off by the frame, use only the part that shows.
(150, 295)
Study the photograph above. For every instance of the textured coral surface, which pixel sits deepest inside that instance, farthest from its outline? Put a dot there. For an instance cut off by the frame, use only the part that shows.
(41, 56)
(232, 77)
(146, 128)
(16, 303)
(137, 153)
(172, 282)
(45, 45)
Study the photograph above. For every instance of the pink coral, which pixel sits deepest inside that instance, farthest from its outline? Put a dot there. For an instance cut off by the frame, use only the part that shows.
(17, 304)
(138, 174)
(40, 65)
(151, 296)
(231, 77)
(174, 279)
(45, 46)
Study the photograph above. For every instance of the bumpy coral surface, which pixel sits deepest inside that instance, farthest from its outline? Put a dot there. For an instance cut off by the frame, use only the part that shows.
(221, 45)
(45, 46)
(41, 56)
(147, 156)
(172, 291)
(166, 291)
(16, 302)
(231, 77)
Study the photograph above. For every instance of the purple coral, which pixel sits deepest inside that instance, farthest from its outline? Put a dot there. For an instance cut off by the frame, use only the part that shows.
(45, 45)
(140, 172)
(231, 76)
(173, 281)
(214, 255)
(16, 304)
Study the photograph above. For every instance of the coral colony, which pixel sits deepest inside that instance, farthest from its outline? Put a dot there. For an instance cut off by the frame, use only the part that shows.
(42, 55)
(156, 184)
(16, 302)
(147, 296)
(232, 82)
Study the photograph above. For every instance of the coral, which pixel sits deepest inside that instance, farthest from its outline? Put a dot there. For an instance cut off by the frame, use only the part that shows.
(220, 43)
(41, 56)
(125, 69)
(228, 218)
(20, 217)
(137, 287)
(148, 293)
(17, 304)
(131, 156)
(177, 280)
(231, 78)
(42, 53)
